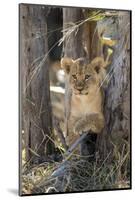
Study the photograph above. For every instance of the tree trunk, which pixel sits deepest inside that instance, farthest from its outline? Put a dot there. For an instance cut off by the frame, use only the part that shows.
(36, 106)
(117, 96)
(84, 41)
(73, 46)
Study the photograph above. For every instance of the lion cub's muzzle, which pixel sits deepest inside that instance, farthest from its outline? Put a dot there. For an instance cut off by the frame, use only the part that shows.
(80, 88)
(80, 92)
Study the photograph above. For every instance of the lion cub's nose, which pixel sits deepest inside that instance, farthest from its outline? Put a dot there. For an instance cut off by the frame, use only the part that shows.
(79, 88)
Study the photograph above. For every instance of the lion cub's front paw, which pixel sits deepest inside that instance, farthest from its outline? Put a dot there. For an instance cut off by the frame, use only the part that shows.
(80, 127)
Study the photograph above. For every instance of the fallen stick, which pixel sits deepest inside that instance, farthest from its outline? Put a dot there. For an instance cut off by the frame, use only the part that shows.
(75, 144)
(61, 169)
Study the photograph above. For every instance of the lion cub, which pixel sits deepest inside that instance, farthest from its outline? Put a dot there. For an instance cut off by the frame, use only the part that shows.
(84, 97)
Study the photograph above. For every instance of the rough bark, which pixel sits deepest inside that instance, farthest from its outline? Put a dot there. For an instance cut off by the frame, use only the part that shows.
(73, 46)
(85, 42)
(117, 95)
(36, 107)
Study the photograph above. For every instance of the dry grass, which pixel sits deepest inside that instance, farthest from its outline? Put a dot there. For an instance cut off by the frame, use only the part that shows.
(80, 175)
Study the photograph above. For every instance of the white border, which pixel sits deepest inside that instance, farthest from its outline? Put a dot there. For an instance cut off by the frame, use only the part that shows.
(9, 98)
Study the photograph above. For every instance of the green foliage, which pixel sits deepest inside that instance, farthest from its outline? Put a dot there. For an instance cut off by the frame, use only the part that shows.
(96, 15)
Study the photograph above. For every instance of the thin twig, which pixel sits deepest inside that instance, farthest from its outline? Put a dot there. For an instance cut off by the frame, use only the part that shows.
(59, 133)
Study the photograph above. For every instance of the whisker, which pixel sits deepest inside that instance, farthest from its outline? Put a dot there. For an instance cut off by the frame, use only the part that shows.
(106, 77)
(110, 77)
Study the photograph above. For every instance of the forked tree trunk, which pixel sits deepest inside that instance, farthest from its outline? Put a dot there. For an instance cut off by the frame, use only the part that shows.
(117, 95)
(36, 106)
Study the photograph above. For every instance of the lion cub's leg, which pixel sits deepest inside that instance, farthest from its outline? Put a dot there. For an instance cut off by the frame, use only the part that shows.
(90, 122)
(93, 124)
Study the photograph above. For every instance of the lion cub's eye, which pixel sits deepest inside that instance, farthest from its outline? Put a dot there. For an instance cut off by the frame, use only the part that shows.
(87, 77)
(74, 77)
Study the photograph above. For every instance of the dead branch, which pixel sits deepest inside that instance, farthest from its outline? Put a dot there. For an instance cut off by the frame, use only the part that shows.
(60, 171)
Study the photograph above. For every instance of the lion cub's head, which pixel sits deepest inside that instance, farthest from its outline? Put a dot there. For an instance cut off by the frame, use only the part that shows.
(82, 76)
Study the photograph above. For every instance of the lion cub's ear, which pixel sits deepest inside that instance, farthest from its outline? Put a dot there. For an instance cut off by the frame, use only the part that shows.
(98, 63)
(66, 64)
